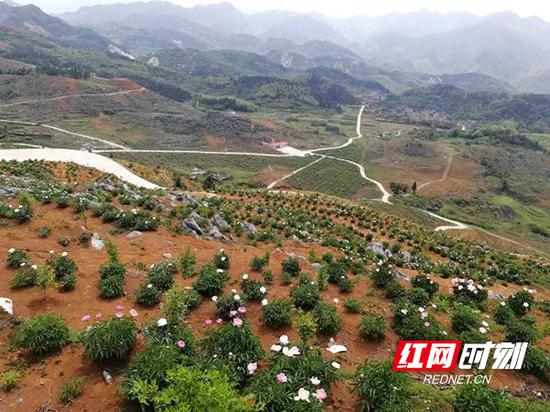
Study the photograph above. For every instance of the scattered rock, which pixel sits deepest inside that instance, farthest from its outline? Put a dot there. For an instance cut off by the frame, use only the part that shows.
(6, 305)
(316, 267)
(134, 235)
(401, 276)
(495, 296)
(188, 199)
(96, 242)
(167, 255)
(248, 227)
(220, 222)
(380, 250)
(216, 234)
(405, 255)
(193, 226)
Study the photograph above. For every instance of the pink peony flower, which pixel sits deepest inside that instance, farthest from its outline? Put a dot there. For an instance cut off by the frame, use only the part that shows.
(208, 321)
(320, 394)
(232, 313)
(181, 344)
(251, 367)
(219, 320)
(281, 378)
(427, 324)
(85, 318)
(119, 315)
(98, 315)
(237, 322)
(242, 309)
(119, 307)
(133, 313)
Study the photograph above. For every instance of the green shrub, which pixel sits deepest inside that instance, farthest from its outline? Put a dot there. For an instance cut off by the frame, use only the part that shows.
(8, 380)
(520, 331)
(233, 347)
(291, 266)
(468, 293)
(372, 326)
(394, 290)
(113, 268)
(169, 335)
(298, 370)
(418, 296)
(258, 263)
(409, 324)
(503, 315)
(43, 334)
(345, 285)
(175, 307)
(268, 277)
(381, 275)
(192, 299)
(328, 320)
(521, 302)
(464, 318)
(475, 397)
(353, 305)
(72, 389)
(23, 213)
(381, 389)
(161, 275)
(24, 277)
(306, 326)
(147, 295)
(537, 363)
(111, 339)
(253, 290)
(426, 283)
(305, 295)
(64, 270)
(193, 389)
(277, 313)
(16, 258)
(229, 303)
(44, 232)
(210, 281)
(186, 263)
(337, 270)
(152, 365)
(221, 260)
(111, 287)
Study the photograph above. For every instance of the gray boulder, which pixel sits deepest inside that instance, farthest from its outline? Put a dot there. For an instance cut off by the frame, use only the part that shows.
(193, 226)
(220, 222)
(379, 250)
(134, 235)
(248, 227)
(215, 233)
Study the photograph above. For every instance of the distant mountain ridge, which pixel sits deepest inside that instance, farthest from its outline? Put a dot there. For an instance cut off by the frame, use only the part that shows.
(501, 45)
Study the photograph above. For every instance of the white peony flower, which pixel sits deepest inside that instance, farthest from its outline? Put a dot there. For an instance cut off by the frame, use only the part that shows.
(162, 322)
(315, 380)
(263, 289)
(276, 348)
(284, 339)
(335, 365)
(245, 276)
(11, 250)
(236, 297)
(303, 395)
(214, 298)
(64, 254)
(264, 302)
(483, 330)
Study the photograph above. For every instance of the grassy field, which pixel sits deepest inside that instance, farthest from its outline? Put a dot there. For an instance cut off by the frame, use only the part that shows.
(243, 169)
(334, 177)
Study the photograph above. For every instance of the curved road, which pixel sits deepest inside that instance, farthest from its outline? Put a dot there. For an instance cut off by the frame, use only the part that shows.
(107, 165)
(82, 158)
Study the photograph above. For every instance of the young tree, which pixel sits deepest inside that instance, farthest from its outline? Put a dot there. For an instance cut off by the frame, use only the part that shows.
(413, 187)
(44, 279)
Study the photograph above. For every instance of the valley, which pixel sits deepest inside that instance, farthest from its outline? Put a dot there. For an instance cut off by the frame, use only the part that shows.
(210, 209)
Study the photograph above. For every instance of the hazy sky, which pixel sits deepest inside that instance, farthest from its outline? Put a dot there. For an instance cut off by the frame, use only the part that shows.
(338, 8)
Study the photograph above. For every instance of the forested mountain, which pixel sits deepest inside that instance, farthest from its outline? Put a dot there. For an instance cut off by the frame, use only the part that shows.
(441, 104)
